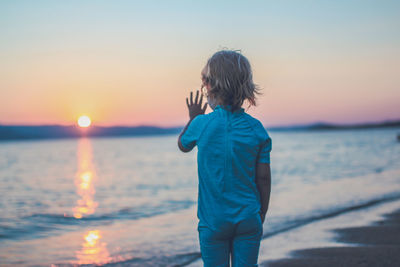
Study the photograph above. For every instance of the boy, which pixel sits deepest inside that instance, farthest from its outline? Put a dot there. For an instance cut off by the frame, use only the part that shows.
(233, 163)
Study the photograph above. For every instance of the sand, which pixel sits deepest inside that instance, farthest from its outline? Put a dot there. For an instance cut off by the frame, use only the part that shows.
(377, 245)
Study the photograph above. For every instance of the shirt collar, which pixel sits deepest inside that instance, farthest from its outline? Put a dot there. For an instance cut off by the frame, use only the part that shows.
(229, 108)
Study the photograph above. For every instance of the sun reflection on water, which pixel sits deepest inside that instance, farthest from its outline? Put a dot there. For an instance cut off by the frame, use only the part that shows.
(84, 181)
(93, 250)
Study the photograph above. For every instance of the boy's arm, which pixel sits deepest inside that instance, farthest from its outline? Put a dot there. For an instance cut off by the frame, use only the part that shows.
(194, 110)
(263, 182)
(181, 147)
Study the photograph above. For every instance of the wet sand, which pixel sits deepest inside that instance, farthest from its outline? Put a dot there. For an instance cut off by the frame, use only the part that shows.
(376, 245)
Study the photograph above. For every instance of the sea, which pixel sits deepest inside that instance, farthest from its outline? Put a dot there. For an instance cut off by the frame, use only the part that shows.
(132, 201)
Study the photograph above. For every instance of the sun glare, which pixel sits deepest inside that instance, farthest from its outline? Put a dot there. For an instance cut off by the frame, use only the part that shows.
(84, 121)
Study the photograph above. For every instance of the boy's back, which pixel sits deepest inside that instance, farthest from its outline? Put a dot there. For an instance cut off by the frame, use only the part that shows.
(229, 146)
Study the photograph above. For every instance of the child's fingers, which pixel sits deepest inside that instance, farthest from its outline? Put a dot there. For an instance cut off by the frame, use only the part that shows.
(197, 97)
(187, 102)
(191, 98)
(201, 100)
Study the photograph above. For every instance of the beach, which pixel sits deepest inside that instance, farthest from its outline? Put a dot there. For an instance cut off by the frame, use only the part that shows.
(133, 201)
(375, 244)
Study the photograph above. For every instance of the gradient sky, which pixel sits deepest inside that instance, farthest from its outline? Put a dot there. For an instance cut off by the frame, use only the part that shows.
(134, 62)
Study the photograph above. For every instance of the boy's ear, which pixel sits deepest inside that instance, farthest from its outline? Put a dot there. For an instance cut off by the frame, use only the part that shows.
(207, 82)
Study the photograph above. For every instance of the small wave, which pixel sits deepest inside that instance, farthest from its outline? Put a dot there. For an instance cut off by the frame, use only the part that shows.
(168, 261)
(32, 225)
(25, 230)
(129, 213)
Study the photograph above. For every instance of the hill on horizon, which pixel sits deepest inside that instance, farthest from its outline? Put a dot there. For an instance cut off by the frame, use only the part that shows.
(24, 132)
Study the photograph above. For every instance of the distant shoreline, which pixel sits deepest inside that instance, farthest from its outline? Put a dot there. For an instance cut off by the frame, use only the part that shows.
(23, 132)
(331, 126)
(33, 132)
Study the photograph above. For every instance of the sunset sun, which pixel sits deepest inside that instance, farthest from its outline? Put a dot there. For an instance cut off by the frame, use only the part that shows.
(84, 121)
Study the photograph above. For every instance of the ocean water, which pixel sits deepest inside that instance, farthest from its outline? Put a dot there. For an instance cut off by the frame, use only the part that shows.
(132, 201)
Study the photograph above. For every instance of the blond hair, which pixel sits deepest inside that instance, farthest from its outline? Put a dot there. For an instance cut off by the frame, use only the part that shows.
(230, 77)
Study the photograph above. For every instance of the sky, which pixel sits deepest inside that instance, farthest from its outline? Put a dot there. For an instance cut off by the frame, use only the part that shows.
(134, 62)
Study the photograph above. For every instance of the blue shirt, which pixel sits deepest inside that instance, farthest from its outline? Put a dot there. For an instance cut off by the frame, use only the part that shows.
(229, 146)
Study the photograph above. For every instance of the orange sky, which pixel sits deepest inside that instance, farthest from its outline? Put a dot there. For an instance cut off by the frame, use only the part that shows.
(132, 64)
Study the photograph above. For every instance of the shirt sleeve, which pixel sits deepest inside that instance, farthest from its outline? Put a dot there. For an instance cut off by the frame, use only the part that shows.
(265, 149)
(192, 134)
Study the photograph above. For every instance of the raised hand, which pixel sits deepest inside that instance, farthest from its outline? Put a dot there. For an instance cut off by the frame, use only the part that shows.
(195, 107)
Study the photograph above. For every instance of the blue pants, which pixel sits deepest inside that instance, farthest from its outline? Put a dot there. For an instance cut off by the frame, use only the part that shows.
(239, 241)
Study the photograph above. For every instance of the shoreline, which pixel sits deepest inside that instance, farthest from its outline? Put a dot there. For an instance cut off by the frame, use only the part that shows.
(322, 240)
(369, 237)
